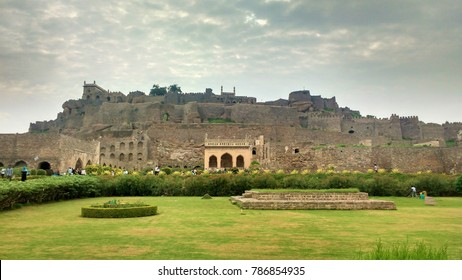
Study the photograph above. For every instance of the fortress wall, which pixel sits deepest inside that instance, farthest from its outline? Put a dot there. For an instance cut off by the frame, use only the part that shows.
(361, 128)
(331, 103)
(391, 130)
(244, 113)
(432, 131)
(410, 159)
(410, 128)
(128, 152)
(210, 110)
(451, 130)
(71, 150)
(324, 123)
(30, 148)
(452, 159)
(8, 149)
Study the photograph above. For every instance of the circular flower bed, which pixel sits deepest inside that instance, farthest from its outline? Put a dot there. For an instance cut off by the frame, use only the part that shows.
(118, 209)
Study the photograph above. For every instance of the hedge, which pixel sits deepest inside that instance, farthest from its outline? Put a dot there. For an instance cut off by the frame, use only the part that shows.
(70, 187)
(139, 211)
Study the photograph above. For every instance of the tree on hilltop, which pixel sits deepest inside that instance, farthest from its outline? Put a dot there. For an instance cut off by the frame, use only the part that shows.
(158, 91)
(174, 88)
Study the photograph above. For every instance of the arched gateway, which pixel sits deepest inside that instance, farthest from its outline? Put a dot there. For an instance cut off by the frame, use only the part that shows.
(227, 153)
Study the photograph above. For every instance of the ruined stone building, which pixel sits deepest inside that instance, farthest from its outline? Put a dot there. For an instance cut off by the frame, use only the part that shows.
(305, 131)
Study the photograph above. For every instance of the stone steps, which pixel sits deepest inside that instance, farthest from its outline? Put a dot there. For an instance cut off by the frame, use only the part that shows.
(310, 201)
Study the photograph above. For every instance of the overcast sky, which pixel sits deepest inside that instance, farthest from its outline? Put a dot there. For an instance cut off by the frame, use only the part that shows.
(378, 57)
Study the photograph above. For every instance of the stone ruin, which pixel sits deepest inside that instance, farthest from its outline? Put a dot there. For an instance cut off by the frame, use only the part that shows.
(257, 200)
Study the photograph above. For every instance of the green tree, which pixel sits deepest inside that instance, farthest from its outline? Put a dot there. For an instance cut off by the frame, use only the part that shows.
(156, 90)
(174, 88)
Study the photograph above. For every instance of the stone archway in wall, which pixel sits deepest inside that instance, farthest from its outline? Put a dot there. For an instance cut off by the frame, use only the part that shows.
(226, 161)
(240, 161)
(78, 164)
(20, 163)
(213, 163)
(45, 165)
(88, 162)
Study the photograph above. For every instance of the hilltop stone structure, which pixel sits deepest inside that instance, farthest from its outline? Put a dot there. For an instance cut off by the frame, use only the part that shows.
(209, 130)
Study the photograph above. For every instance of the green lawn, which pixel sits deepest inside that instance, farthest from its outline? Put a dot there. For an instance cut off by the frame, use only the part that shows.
(194, 228)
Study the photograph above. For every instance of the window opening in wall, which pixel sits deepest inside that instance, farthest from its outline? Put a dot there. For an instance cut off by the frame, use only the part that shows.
(254, 151)
(122, 157)
(131, 145)
(213, 162)
(351, 131)
(240, 161)
(122, 146)
(88, 162)
(296, 151)
(140, 156)
(112, 148)
(78, 164)
(130, 157)
(140, 145)
(112, 156)
(226, 161)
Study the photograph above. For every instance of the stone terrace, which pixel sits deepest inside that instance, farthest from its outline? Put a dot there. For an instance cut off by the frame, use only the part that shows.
(309, 201)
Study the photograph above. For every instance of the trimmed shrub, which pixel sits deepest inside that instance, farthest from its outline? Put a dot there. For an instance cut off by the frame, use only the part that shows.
(131, 212)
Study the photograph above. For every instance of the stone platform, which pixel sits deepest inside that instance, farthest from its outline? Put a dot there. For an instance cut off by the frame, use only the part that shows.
(309, 201)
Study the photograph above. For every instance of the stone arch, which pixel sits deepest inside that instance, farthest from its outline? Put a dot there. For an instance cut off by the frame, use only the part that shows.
(140, 145)
(78, 164)
(112, 156)
(131, 145)
(122, 157)
(213, 163)
(112, 148)
(122, 146)
(130, 157)
(102, 150)
(254, 151)
(20, 163)
(165, 117)
(140, 156)
(45, 165)
(240, 161)
(226, 161)
(88, 162)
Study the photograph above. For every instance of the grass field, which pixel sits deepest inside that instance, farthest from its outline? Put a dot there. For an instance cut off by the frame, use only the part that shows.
(189, 228)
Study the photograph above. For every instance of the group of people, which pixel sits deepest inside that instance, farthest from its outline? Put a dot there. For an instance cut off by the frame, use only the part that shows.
(8, 173)
(78, 171)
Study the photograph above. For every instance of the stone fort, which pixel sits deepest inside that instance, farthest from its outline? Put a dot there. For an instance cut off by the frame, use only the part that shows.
(208, 130)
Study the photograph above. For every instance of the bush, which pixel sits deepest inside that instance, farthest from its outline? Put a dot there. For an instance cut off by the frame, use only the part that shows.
(138, 211)
(458, 185)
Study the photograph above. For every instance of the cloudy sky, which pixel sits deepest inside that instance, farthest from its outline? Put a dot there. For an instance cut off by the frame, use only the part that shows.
(378, 57)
